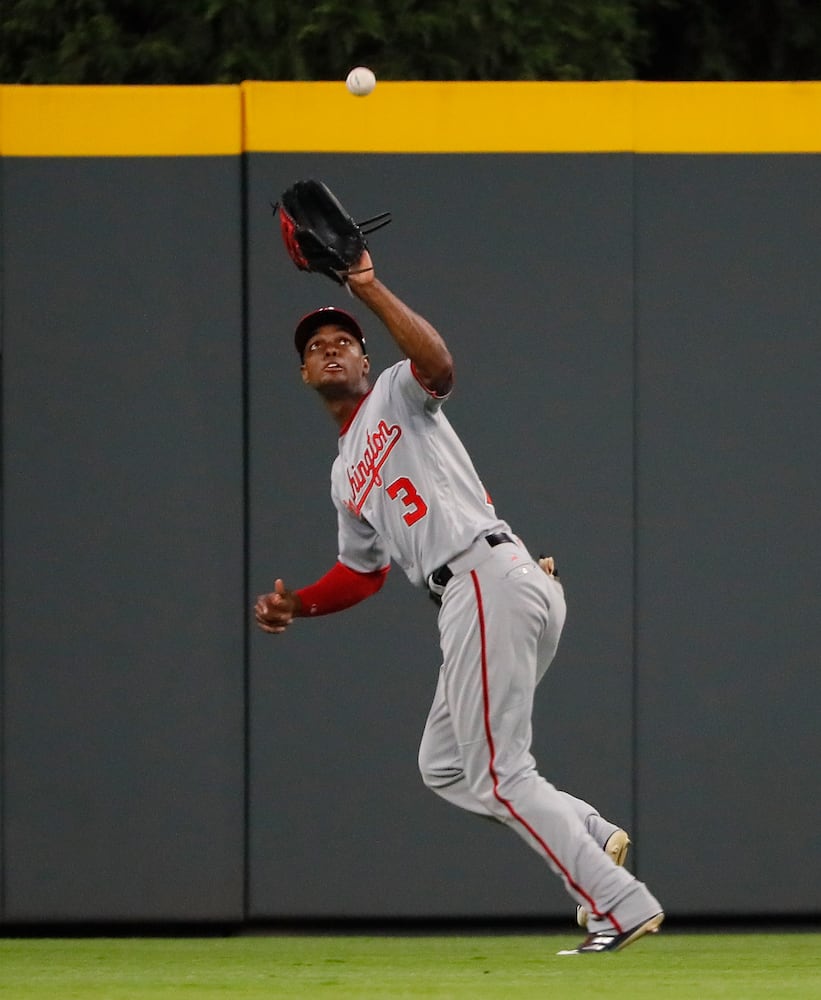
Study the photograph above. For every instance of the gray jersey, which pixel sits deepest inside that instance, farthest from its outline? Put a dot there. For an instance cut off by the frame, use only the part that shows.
(403, 484)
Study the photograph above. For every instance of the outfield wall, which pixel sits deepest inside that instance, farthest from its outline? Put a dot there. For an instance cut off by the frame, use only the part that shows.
(627, 277)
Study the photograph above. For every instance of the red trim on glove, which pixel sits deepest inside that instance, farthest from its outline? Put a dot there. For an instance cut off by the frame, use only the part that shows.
(339, 589)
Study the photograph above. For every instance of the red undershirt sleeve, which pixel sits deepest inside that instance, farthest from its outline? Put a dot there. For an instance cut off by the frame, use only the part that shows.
(339, 589)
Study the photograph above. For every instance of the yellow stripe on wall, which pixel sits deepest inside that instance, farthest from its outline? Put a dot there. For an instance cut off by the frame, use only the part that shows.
(728, 118)
(626, 116)
(411, 117)
(438, 118)
(120, 121)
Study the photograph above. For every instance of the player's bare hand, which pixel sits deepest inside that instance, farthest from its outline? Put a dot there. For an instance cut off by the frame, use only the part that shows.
(548, 564)
(362, 273)
(274, 612)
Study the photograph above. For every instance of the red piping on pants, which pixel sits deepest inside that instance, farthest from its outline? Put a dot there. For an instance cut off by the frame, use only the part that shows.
(492, 769)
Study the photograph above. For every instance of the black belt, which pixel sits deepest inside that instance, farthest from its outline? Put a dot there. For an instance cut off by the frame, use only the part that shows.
(440, 577)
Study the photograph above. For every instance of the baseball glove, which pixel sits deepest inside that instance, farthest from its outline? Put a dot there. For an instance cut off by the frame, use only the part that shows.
(319, 233)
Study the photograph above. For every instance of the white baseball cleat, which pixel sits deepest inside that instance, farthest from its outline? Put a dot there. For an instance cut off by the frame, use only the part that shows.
(616, 846)
(604, 941)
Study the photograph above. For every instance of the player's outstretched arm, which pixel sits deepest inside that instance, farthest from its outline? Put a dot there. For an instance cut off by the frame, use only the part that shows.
(414, 335)
(340, 588)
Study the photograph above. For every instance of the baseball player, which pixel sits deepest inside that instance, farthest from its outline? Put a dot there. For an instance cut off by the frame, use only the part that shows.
(405, 490)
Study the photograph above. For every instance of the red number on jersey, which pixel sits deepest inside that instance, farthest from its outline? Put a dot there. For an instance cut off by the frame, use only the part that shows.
(406, 491)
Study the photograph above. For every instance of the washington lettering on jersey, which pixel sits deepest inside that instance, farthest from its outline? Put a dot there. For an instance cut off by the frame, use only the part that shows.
(364, 474)
(404, 487)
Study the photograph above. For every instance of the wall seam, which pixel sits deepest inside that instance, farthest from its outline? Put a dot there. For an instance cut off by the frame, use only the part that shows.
(246, 503)
(634, 749)
(3, 782)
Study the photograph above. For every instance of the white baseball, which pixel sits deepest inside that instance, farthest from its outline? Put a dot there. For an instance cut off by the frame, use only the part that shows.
(361, 81)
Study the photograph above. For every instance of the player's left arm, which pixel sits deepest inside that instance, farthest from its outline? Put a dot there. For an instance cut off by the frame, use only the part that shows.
(340, 588)
(359, 572)
(414, 335)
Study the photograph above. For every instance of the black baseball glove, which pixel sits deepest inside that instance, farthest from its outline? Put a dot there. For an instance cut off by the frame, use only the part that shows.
(319, 234)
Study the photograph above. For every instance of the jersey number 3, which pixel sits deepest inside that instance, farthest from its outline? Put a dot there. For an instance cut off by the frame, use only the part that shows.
(404, 489)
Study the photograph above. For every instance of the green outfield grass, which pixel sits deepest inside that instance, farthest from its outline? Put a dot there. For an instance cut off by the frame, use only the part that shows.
(516, 967)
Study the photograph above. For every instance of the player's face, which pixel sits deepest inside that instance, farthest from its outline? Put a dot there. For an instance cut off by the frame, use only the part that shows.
(334, 358)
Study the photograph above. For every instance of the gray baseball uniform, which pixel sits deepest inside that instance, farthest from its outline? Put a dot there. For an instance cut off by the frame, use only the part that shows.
(406, 490)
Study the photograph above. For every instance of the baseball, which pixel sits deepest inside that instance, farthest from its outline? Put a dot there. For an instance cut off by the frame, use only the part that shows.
(361, 81)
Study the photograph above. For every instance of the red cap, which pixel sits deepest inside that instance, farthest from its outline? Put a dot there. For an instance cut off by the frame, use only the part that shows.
(310, 323)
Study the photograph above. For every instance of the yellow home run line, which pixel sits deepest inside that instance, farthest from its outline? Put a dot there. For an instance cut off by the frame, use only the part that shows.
(120, 121)
(411, 117)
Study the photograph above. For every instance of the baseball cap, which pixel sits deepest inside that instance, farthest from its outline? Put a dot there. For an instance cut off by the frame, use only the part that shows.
(310, 323)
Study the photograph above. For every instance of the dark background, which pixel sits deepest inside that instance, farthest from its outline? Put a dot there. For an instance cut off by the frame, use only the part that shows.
(222, 41)
(638, 362)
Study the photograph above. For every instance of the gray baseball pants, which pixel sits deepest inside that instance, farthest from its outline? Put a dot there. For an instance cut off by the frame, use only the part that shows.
(500, 623)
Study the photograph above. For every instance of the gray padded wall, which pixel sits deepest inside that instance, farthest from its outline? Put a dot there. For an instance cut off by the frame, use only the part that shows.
(637, 373)
(123, 770)
(340, 823)
(729, 547)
